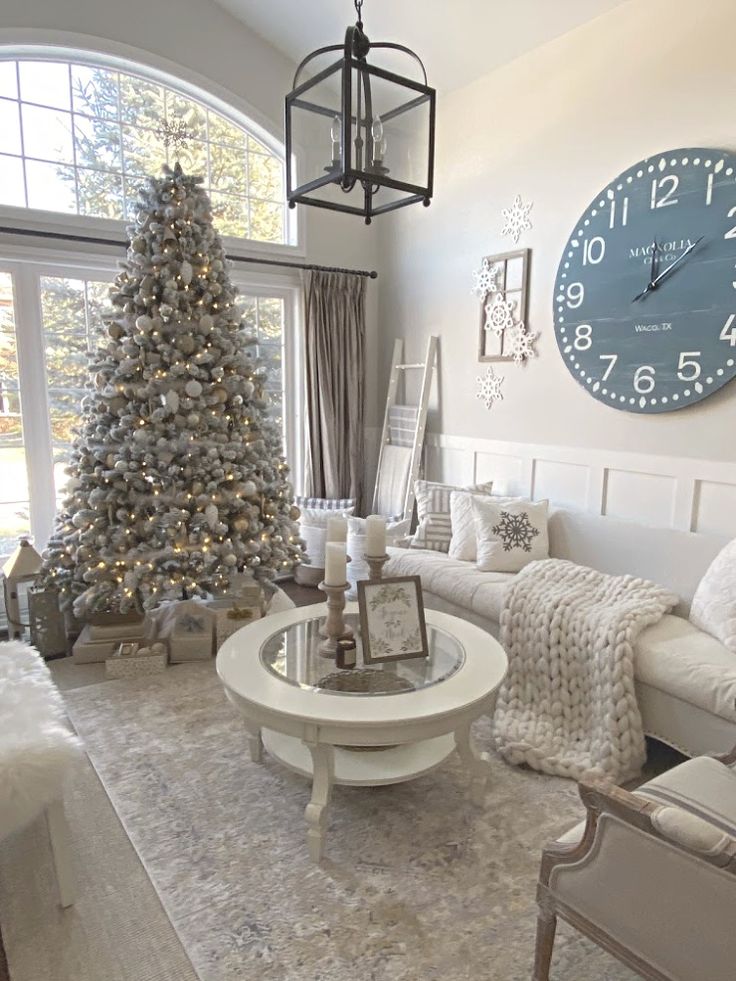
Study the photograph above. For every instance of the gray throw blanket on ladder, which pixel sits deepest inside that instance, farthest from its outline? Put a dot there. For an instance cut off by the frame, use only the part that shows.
(568, 705)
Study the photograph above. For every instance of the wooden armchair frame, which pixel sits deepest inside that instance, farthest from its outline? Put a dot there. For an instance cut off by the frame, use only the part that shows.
(603, 798)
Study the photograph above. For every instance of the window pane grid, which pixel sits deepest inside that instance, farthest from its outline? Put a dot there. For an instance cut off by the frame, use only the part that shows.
(85, 150)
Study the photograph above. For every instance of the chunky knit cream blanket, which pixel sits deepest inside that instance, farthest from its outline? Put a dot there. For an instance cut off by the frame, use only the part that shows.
(568, 704)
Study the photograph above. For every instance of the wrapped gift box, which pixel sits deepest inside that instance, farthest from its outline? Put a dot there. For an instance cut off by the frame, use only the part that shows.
(190, 638)
(230, 617)
(90, 646)
(131, 660)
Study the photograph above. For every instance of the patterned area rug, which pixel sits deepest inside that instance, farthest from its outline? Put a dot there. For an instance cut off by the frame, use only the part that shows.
(418, 883)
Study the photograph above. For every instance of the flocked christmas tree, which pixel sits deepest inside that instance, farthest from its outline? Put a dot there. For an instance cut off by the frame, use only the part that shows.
(177, 479)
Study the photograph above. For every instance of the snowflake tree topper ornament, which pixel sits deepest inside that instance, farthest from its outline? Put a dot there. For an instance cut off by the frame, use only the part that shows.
(516, 218)
(489, 387)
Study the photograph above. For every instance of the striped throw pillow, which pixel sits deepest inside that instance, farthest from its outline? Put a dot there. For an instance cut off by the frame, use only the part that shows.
(434, 530)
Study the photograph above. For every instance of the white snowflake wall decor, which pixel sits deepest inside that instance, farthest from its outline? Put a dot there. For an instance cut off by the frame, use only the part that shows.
(489, 387)
(522, 344)
(499, 314)
(516, 219)
(486, 278)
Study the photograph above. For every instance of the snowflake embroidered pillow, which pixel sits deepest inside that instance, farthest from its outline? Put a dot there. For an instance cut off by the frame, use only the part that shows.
(510, 535)
(714, 603)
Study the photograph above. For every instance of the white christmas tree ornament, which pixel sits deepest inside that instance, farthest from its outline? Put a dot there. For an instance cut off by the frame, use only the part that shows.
(178, 479)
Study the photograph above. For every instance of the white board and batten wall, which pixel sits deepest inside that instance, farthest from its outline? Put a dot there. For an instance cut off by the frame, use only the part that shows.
(662, 492)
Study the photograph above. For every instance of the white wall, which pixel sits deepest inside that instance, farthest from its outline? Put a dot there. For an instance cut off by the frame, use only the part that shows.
(199, 41)
(555, 126)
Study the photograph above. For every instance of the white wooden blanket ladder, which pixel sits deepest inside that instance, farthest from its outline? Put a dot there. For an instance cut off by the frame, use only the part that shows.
(402, 438)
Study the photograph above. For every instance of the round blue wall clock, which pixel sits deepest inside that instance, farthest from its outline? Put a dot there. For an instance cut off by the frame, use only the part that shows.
(645, 296)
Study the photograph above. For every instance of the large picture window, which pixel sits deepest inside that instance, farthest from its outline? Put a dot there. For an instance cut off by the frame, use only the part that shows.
(50, 322)
(79, 138)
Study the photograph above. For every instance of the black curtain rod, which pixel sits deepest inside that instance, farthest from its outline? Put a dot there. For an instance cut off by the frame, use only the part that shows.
(90, 240)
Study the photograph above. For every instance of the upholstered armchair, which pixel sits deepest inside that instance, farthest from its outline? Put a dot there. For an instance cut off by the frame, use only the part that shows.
(650, 876)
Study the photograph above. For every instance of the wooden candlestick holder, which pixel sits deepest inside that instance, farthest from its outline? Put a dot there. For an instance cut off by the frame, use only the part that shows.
(335, 627)
(376, 564)
(323, 623)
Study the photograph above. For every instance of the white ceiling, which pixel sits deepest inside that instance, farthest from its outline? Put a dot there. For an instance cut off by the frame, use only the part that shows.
(458, 40)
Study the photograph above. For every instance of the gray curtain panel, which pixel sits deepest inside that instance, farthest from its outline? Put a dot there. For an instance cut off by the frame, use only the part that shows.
(334, 306)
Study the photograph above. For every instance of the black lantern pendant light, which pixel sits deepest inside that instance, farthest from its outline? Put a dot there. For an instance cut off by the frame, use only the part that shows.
(359, 138)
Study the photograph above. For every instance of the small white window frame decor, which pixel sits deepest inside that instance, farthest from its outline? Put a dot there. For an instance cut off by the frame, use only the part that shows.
(392, 623)
(502, 284)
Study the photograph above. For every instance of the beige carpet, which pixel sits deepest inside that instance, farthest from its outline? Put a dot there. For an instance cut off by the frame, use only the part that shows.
(419, 885)
(116, 931)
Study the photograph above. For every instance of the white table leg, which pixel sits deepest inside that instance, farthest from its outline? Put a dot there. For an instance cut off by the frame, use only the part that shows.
(255, 743)
(479, 763)
(61, 851)
(323, 775)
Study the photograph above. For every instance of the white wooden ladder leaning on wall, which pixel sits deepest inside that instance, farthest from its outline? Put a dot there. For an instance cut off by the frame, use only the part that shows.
(402, 439)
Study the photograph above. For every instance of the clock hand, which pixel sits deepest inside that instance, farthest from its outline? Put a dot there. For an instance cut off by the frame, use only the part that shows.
(654, 283)
(678, 260)
(652, 273)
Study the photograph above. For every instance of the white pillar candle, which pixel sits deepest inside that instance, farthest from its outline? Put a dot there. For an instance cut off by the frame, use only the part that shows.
(336, 572)
(337, 529)
(375, 535)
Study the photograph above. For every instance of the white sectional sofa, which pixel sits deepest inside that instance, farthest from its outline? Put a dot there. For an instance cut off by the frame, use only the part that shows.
(686, 679)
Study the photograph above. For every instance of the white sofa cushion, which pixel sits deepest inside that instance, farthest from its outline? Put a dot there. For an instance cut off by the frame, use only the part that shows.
(681, 660)
(456, 582)
(509, 535)
(714, 603)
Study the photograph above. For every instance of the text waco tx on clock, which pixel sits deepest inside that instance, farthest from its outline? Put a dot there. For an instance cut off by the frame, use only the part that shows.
(645, 296)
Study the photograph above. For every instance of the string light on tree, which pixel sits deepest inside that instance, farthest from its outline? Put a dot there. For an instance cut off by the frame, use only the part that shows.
(177, 474)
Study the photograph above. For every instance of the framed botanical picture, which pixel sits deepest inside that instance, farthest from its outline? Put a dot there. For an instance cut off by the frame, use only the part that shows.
(392, 623)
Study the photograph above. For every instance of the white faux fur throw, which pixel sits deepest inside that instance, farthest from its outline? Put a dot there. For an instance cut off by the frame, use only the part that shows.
(36, 742)
(568, 705)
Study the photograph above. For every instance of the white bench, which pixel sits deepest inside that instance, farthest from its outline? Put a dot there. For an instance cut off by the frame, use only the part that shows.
(37, 748)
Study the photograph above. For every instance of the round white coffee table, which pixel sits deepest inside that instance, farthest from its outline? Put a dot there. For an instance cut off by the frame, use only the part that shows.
(405, 719)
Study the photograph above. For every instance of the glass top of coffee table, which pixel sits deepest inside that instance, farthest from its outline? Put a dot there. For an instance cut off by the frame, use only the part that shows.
(292, 654)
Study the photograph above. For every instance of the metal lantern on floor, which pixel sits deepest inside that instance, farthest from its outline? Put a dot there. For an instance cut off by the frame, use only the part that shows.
(19, 574)
(47, 623)
(354, 128)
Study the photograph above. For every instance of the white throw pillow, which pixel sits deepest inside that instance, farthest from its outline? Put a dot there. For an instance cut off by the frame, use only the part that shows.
(434, 530)
(464, 541)
(510, 535)
(714, 603)
(318, 517)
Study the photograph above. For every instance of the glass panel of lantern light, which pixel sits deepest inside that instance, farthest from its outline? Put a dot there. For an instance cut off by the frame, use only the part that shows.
(316, 131)
(397, 140)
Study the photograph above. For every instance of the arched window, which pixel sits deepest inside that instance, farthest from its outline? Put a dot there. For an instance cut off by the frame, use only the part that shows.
(78, 138)
(78, 134)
